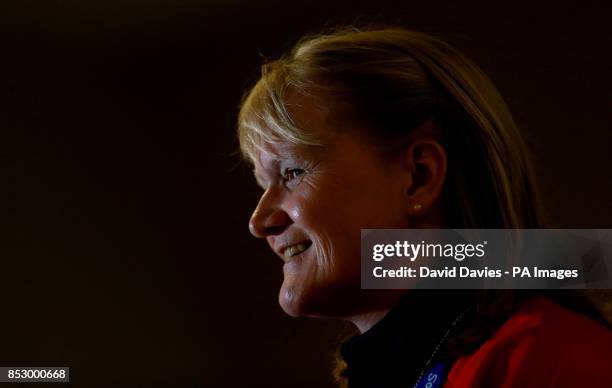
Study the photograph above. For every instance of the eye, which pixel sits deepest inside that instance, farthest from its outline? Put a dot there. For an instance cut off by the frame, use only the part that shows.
(291, 173)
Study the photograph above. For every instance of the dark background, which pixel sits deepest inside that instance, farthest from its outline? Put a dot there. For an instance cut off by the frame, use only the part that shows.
(127, 255)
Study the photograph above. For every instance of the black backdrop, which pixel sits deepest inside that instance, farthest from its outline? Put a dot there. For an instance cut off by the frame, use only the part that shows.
(127, 255)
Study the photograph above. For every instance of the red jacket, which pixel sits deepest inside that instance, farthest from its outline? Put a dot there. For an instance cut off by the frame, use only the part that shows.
(542, 345)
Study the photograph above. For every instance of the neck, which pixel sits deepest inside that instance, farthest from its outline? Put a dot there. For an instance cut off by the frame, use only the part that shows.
(379, 307)
(365, 322)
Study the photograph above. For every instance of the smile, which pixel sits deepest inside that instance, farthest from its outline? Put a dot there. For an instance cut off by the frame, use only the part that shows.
(296, 249)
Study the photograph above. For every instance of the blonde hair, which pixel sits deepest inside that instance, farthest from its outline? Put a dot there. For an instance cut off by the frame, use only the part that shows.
(394, 80)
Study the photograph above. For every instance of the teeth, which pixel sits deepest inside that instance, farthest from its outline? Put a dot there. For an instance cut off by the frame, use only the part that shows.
(295, 249)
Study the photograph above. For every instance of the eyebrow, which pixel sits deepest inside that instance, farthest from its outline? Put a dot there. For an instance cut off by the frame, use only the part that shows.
(275, 163)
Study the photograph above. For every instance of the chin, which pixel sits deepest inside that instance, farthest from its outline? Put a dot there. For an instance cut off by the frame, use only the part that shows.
(297, 302)
(314, 302)
(289, 306)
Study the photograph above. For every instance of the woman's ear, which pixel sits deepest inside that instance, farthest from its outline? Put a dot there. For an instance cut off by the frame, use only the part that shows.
(425, 161)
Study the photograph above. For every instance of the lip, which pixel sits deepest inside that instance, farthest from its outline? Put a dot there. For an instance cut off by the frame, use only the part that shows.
(294, 265)
(281, 251)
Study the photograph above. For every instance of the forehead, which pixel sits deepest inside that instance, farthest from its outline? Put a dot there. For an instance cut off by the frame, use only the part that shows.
(311, 128)
(311, 111)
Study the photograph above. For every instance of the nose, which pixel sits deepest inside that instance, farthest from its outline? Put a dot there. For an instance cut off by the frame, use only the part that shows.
(268, 218)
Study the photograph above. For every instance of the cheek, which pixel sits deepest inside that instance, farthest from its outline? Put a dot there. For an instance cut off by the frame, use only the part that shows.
(381, 206)
(309, 208)
(335, 236)
(315, 216)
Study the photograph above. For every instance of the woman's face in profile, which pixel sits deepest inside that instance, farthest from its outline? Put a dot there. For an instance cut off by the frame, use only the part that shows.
(315, 202)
